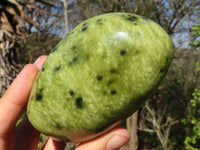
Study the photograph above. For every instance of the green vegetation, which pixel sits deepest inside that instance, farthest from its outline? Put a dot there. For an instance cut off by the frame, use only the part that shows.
(192, 122)
(196, 35)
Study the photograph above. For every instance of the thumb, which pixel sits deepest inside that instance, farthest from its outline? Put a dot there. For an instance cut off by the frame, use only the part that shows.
(111, 140)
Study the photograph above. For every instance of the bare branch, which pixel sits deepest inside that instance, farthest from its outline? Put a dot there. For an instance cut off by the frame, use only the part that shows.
(66, 16)
(155, 123)
(147, 130)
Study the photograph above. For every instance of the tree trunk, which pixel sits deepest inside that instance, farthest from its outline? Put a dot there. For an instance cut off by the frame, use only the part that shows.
(66, 16)
(132, 127)
(8, 67)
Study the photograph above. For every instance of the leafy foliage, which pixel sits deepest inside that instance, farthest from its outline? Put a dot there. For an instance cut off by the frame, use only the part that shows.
(192, 141)
(196, 35)
(192, 122)
(170, 102)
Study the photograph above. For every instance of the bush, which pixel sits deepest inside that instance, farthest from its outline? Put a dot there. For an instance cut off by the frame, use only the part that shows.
(192, 141)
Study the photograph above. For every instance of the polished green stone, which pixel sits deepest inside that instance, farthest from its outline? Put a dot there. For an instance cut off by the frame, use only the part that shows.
(99, 74)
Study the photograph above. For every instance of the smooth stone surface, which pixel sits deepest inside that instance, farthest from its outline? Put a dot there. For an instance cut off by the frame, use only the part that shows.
(99, 74)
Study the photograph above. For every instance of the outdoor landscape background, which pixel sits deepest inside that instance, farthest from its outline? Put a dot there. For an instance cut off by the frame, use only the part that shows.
(171, 117)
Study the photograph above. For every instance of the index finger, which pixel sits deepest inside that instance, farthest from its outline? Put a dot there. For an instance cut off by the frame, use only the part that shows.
(14, 100)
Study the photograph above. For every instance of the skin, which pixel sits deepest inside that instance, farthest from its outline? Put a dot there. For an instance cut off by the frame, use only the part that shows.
(24, 136)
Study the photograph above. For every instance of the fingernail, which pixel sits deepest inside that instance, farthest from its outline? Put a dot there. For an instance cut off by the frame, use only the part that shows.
(37, 60)
(116, 142)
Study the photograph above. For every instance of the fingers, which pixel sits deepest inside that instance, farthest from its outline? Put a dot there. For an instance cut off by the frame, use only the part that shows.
(112, 140)
(14, 100)
(40, 61)
(13, 103)
(26, 136)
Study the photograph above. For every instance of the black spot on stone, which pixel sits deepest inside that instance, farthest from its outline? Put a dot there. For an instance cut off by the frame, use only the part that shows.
(113, 92)
(39, 96)
(54, 49)
(71, 92)
(75, 59)
(58, 125)
(163, 69)
(131, 18)
(79, 102)
(73, 48)
(83, 29)
(84, 24)
(58, 68)
(113, 71)
(99, 77)
(99, 20)
(122, 52)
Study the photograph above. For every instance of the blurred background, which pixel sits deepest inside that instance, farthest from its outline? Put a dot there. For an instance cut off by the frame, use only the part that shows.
(171, 117)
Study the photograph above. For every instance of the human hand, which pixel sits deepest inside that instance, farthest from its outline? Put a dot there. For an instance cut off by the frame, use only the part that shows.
(24, 136)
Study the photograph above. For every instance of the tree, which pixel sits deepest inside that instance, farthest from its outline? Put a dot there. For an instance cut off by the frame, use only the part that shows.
(10, 31)
(192, 120)
(172, 15)
(160, 118)
(157, 121)
(18, 18)
(131, 124)
(175, 17)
